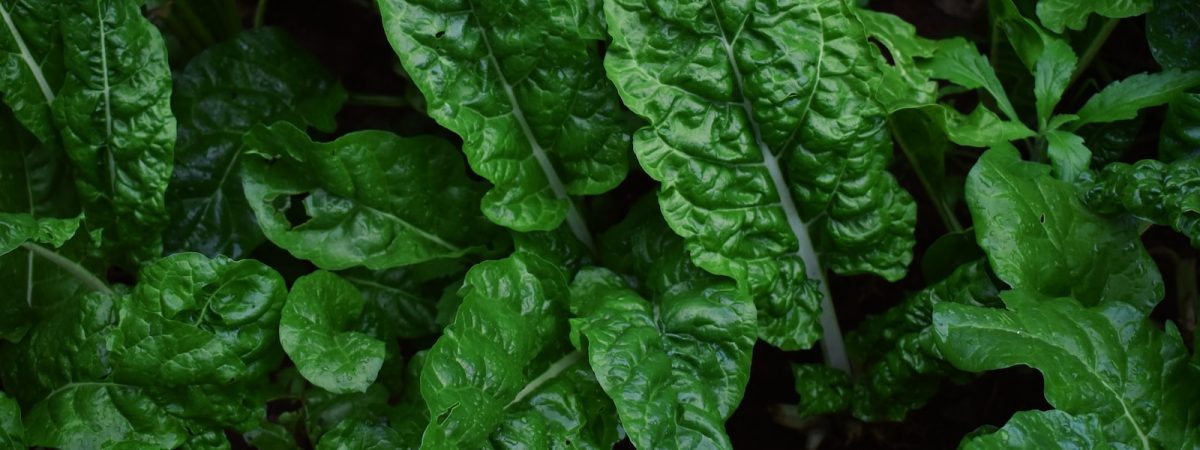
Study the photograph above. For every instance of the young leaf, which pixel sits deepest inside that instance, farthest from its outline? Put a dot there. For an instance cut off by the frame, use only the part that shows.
(904, 83)
(370, 198)
(1067, 153)
(1039, 236)
(114, 114)
(528, 96)
(958, 61)
(685, 356)
(313, 330)
(1166, 194)
(1171, 33)
(31, 64)
(765, 161)
(1073, 14)
(1122, 99)
(1180, 136)
(12, 432)
(1043, 429)
(262, 76)
(1050, 77)
(505, 349)
(1107, 361)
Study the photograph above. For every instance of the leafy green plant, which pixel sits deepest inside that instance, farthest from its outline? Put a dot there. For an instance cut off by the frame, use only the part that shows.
(594, 220)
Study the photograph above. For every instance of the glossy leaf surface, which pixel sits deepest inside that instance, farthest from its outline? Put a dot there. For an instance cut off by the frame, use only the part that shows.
(1166, 194)
(370, 198)
(315, 332)
(1057, 14)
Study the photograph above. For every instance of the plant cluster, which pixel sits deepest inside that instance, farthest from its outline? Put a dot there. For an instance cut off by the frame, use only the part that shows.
(195, 255)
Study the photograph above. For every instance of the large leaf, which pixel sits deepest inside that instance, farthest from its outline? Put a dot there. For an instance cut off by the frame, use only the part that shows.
(1171, 33)
(86, 416)
(187, 309)
(676, 368)
(1122, 99)
(768, 145)
(262, 76)
(508, 341)
(1180, 136)
(370, 198)
(315, 332)
(522, 83)
(114, 115)
(1166, 194)
(1073, 14)
(1045, 430)
(1107, 361)
(1039, 236)
(31, 63)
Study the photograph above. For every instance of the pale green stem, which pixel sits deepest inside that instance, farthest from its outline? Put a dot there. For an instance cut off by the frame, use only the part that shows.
(73, 268)
(551, 372)
(1093, 48)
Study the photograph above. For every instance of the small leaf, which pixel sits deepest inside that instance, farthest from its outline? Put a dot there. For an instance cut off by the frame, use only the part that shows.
(1122, 99)
(17, 229)
(1068, 155)
(1051, 75)
(320, 310)
(958, 61)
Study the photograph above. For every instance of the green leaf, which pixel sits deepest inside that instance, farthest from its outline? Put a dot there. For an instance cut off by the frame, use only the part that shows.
(12, 432)
(900, 366)
(643, 248)
(194, 320)
(1122, 99)
(528, 96)
(262, 76)
(1109, 142)
(506, 348)
(1045, 430)
(370, 198)
(1107, 361)
(31, 64)
(571, 411)
(1180, 136)
(1170, 31)
(114, 114)
(313, 330)
(765, 161)
(86, 416)
(822, 389)
(1166, 194)
(1068, 155)
(691, 349)
(359, 435)
(398, 304)
(1039, 236)
(17, 229)
(1073, 14)
(958, 61)
(1051, 75)
(904, 82)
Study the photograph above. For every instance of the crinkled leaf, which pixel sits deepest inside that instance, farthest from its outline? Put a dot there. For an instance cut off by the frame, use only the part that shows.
(1073, 14)
(822, 389)
(507, 341)
(1067, 153)
(524, 87)
(31, 64)
(1045, 430)
(370, 198)
(1166, 194)
(1180, 136)
(261, 76)
(755, 153)
(1122, 99)
(314, 331)
(1039, 236)
(69, 345)
(362, 435)
(958, 61)
(194, 320)
(86, 416)
(1107, 361)
(676, 368)
(398, 305)
(1171, 33)
(643, 248)
(17, 229)
(571, 411)
(1109, 142)
(905, 83)
(12, 432)
(114, 115)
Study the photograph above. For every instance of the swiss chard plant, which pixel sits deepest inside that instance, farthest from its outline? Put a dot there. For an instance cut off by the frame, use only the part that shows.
(580, 224)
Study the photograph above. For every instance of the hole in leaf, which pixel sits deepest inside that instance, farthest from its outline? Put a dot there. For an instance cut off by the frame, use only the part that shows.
(439, 34)
(292, 207)
(1042, 218)
(441, 418)
(883, 50)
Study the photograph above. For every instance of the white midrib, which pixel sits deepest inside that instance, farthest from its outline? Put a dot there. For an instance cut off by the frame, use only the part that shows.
(832, 338)
(112, 164)
(574, 219)
(34, 68)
